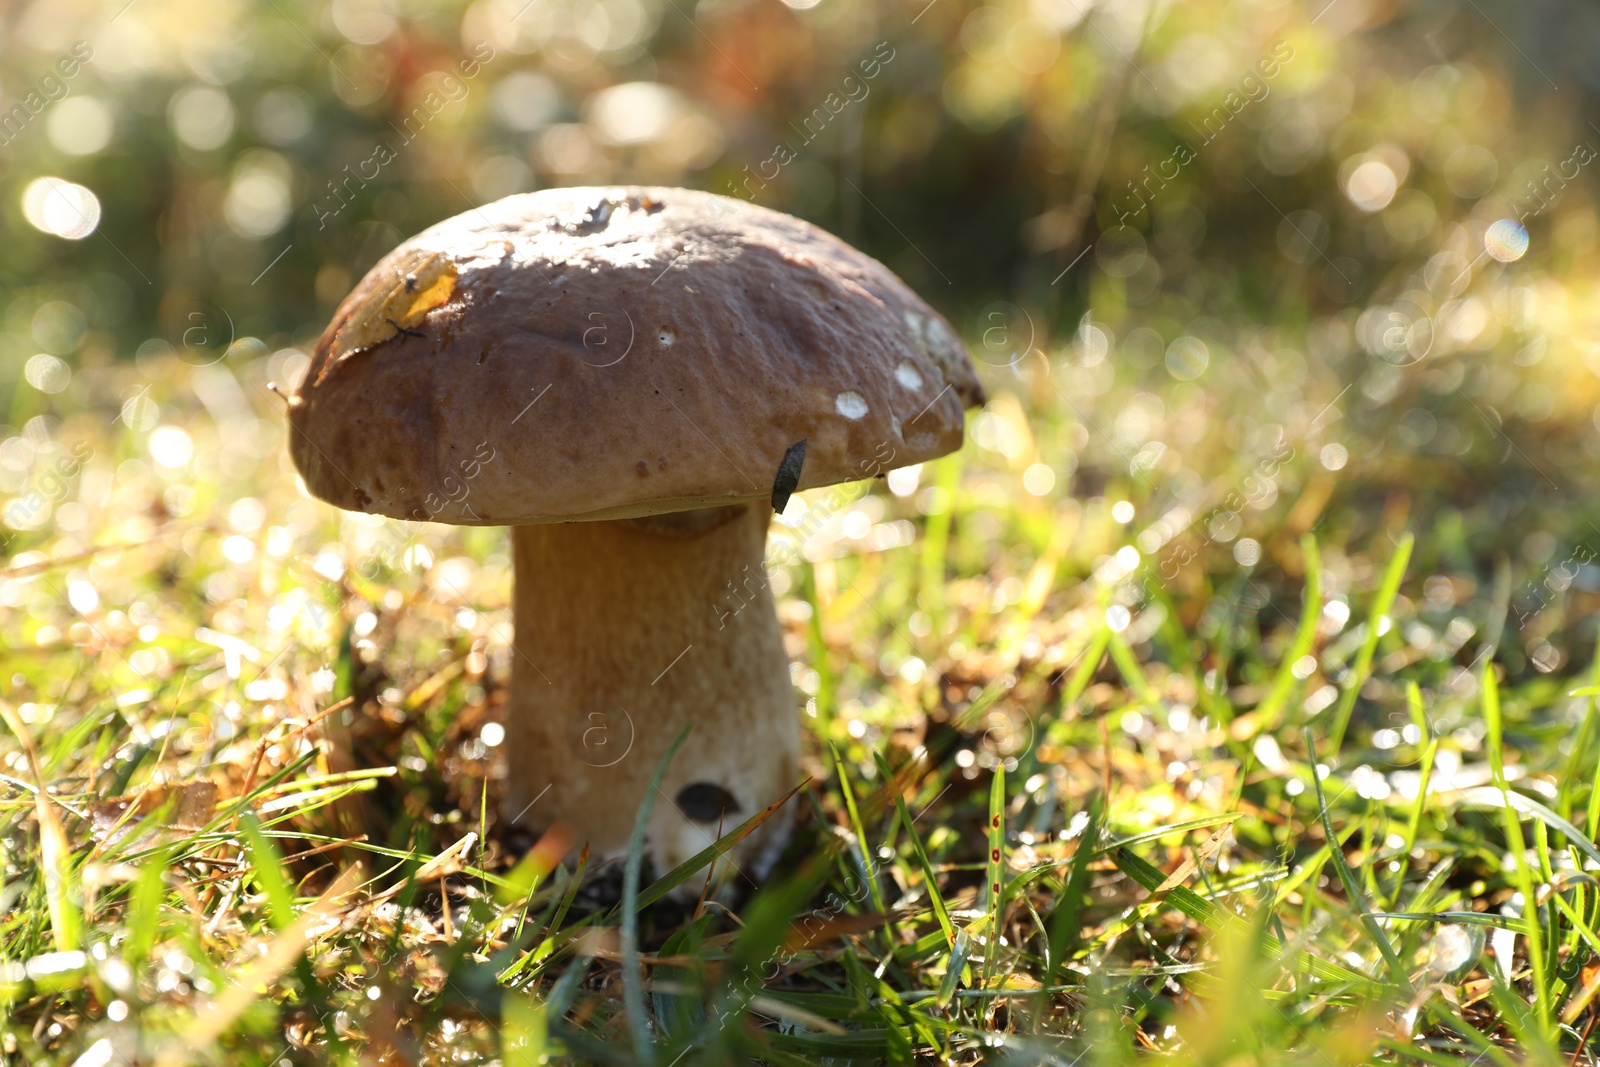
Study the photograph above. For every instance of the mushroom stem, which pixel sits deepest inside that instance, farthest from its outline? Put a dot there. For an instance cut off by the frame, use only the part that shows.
(627, 630)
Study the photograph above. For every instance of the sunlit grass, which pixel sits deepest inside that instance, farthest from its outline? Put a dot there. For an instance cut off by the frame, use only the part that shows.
(267, 736)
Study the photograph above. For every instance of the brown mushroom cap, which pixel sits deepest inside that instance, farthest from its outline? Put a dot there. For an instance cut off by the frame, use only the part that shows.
(606, 353)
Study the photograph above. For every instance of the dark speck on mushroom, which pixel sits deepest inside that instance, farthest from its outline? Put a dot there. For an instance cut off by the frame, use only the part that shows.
(706, 802)
(642, 468)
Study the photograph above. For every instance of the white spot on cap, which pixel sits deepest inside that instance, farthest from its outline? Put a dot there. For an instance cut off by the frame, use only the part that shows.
(666, 335)
(907, 376)
(850, 405)
(939, 335)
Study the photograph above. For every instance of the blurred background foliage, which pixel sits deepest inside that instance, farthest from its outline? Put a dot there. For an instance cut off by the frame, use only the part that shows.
(1176, 234)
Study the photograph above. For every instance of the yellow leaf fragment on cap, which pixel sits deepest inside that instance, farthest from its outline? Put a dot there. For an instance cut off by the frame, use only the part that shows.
(418, 288)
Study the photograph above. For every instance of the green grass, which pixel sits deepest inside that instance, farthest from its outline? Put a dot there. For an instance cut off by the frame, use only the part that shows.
(1058, 814)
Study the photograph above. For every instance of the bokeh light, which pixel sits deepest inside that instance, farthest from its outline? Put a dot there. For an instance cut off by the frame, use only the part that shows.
(202, 117)
(1187, 358)
(80, 125)
(634, 112)
(1370, 181)
(258, 200)
(526, 100)
(1506, 240)
(47, 373)
(61, 208)
(171, 447)
(1039, 479)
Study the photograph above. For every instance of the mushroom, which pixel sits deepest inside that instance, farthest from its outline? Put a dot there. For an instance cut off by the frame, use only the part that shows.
(629, 378)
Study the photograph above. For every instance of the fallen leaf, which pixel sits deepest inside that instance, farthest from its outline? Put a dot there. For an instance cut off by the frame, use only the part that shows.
(188, 806)
(421, 283)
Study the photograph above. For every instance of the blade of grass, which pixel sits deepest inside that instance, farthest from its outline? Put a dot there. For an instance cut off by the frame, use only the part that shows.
(144, 907)
(1528, 1030)
(1512, 824)
(1270, 711)
(769, 924)
(55, 854)
(266, 863)
(930, 878)
(1572, 773)
(953, 967)
(1128, 666)
(1459, 918)
(826, 682)
(1177, 829)
(632, 987)
(540, 860)
(1592, 821)
(868, 866)
(1081, 676)
(566, 987)
(1414, 820)
(996, 881)
(1352, 887)
(1489, 798)
(550, 923)
(524, 1031)
(1066, 921)
(936, 539)
(1362, 667)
